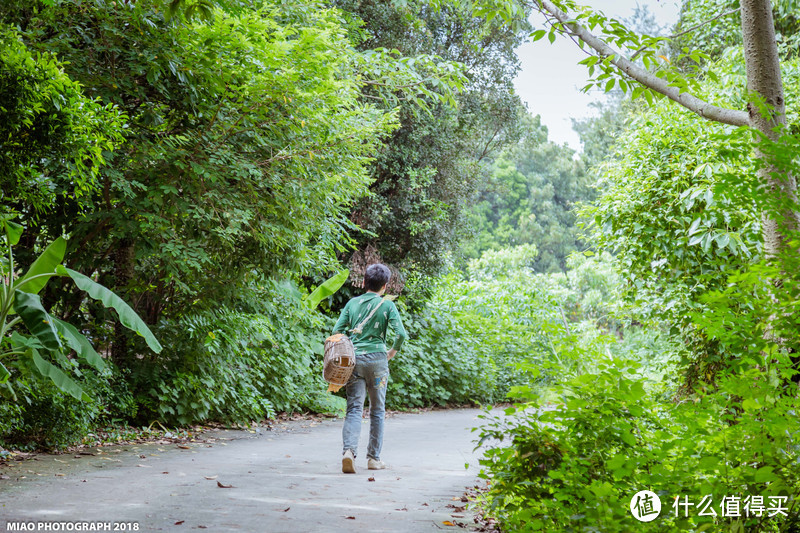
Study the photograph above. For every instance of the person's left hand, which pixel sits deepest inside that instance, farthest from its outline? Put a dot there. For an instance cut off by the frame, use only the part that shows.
(391, 353)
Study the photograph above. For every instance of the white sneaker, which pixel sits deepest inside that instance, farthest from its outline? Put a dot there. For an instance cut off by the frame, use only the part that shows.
(348, 462)
(374, 464)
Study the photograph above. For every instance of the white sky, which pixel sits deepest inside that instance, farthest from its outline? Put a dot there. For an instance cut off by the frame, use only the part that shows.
(550, 78)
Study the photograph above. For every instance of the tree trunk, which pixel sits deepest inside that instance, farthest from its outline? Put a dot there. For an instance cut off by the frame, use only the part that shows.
(124, 263)
(764, 81)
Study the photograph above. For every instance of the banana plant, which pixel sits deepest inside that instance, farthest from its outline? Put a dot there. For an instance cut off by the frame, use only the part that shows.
(328, 288)
(49, 338)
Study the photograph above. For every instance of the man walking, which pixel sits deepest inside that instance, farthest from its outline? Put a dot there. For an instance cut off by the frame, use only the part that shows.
(371, 373)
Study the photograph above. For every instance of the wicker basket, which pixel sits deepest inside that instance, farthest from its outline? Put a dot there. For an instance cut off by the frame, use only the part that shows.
(339, 361)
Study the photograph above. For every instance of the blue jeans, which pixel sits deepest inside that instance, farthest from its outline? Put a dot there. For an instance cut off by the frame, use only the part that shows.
(370, 376)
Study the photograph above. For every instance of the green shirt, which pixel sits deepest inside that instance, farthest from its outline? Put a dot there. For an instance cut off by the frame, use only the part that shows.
(373, 337)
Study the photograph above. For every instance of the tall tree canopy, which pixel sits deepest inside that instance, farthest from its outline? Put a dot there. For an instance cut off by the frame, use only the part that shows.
(530, 198)
(246, 144)
(430, 168)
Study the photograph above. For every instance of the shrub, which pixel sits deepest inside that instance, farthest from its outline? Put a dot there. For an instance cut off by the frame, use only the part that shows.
(236, 365)
(43, 417)
(576, 466)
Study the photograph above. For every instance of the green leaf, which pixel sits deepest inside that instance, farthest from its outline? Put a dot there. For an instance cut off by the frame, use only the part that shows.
(4, 374)
(58, 377)
(76, 341)
(327, 288)
(127, 316)
(46, 263)
(538, 34)
(18, 341)
(765, 474)
(36, 319)
(13, 231)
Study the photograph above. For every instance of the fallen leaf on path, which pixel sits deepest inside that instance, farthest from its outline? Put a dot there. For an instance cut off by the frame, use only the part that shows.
(287, 509)
(371, 479)
(403, 509)
(179, 522)
(182, 447)
(350, 517)
(211, 478)
(165, 472)
(448, 523)
(220, 485)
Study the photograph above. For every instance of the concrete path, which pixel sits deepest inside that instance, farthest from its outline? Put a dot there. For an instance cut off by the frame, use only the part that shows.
(287, 480)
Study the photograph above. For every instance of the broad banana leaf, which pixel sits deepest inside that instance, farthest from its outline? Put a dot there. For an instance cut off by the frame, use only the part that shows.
(327, 288)
(36, 319)
(80, 344)
(58, 377)
(13, 231)
(127, 315)
(44, 264)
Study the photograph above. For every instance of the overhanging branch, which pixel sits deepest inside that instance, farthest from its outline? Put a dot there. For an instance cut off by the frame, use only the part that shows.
(646, 78)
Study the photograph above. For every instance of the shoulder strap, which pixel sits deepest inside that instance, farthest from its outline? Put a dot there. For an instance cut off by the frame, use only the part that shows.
(358, 329)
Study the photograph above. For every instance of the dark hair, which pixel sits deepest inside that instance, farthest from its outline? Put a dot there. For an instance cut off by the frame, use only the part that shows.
(376, 276)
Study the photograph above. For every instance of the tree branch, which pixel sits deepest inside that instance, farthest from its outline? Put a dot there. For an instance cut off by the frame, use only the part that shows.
(646, 78)
(690, 30)
(709, 21)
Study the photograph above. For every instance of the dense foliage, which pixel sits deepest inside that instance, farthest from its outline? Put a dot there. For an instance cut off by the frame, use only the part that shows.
(53, 135)
(531, 198)
(236, 123)
(432, 165)
(573, 458)
(678, 210)
(708, 416)
(243, 144)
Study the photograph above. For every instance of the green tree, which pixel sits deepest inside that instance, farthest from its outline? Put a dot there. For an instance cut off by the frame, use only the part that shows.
(246, 145)
(53, 135)
(715, 25)
(632, 62)
(431, 166)
(530, 199)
